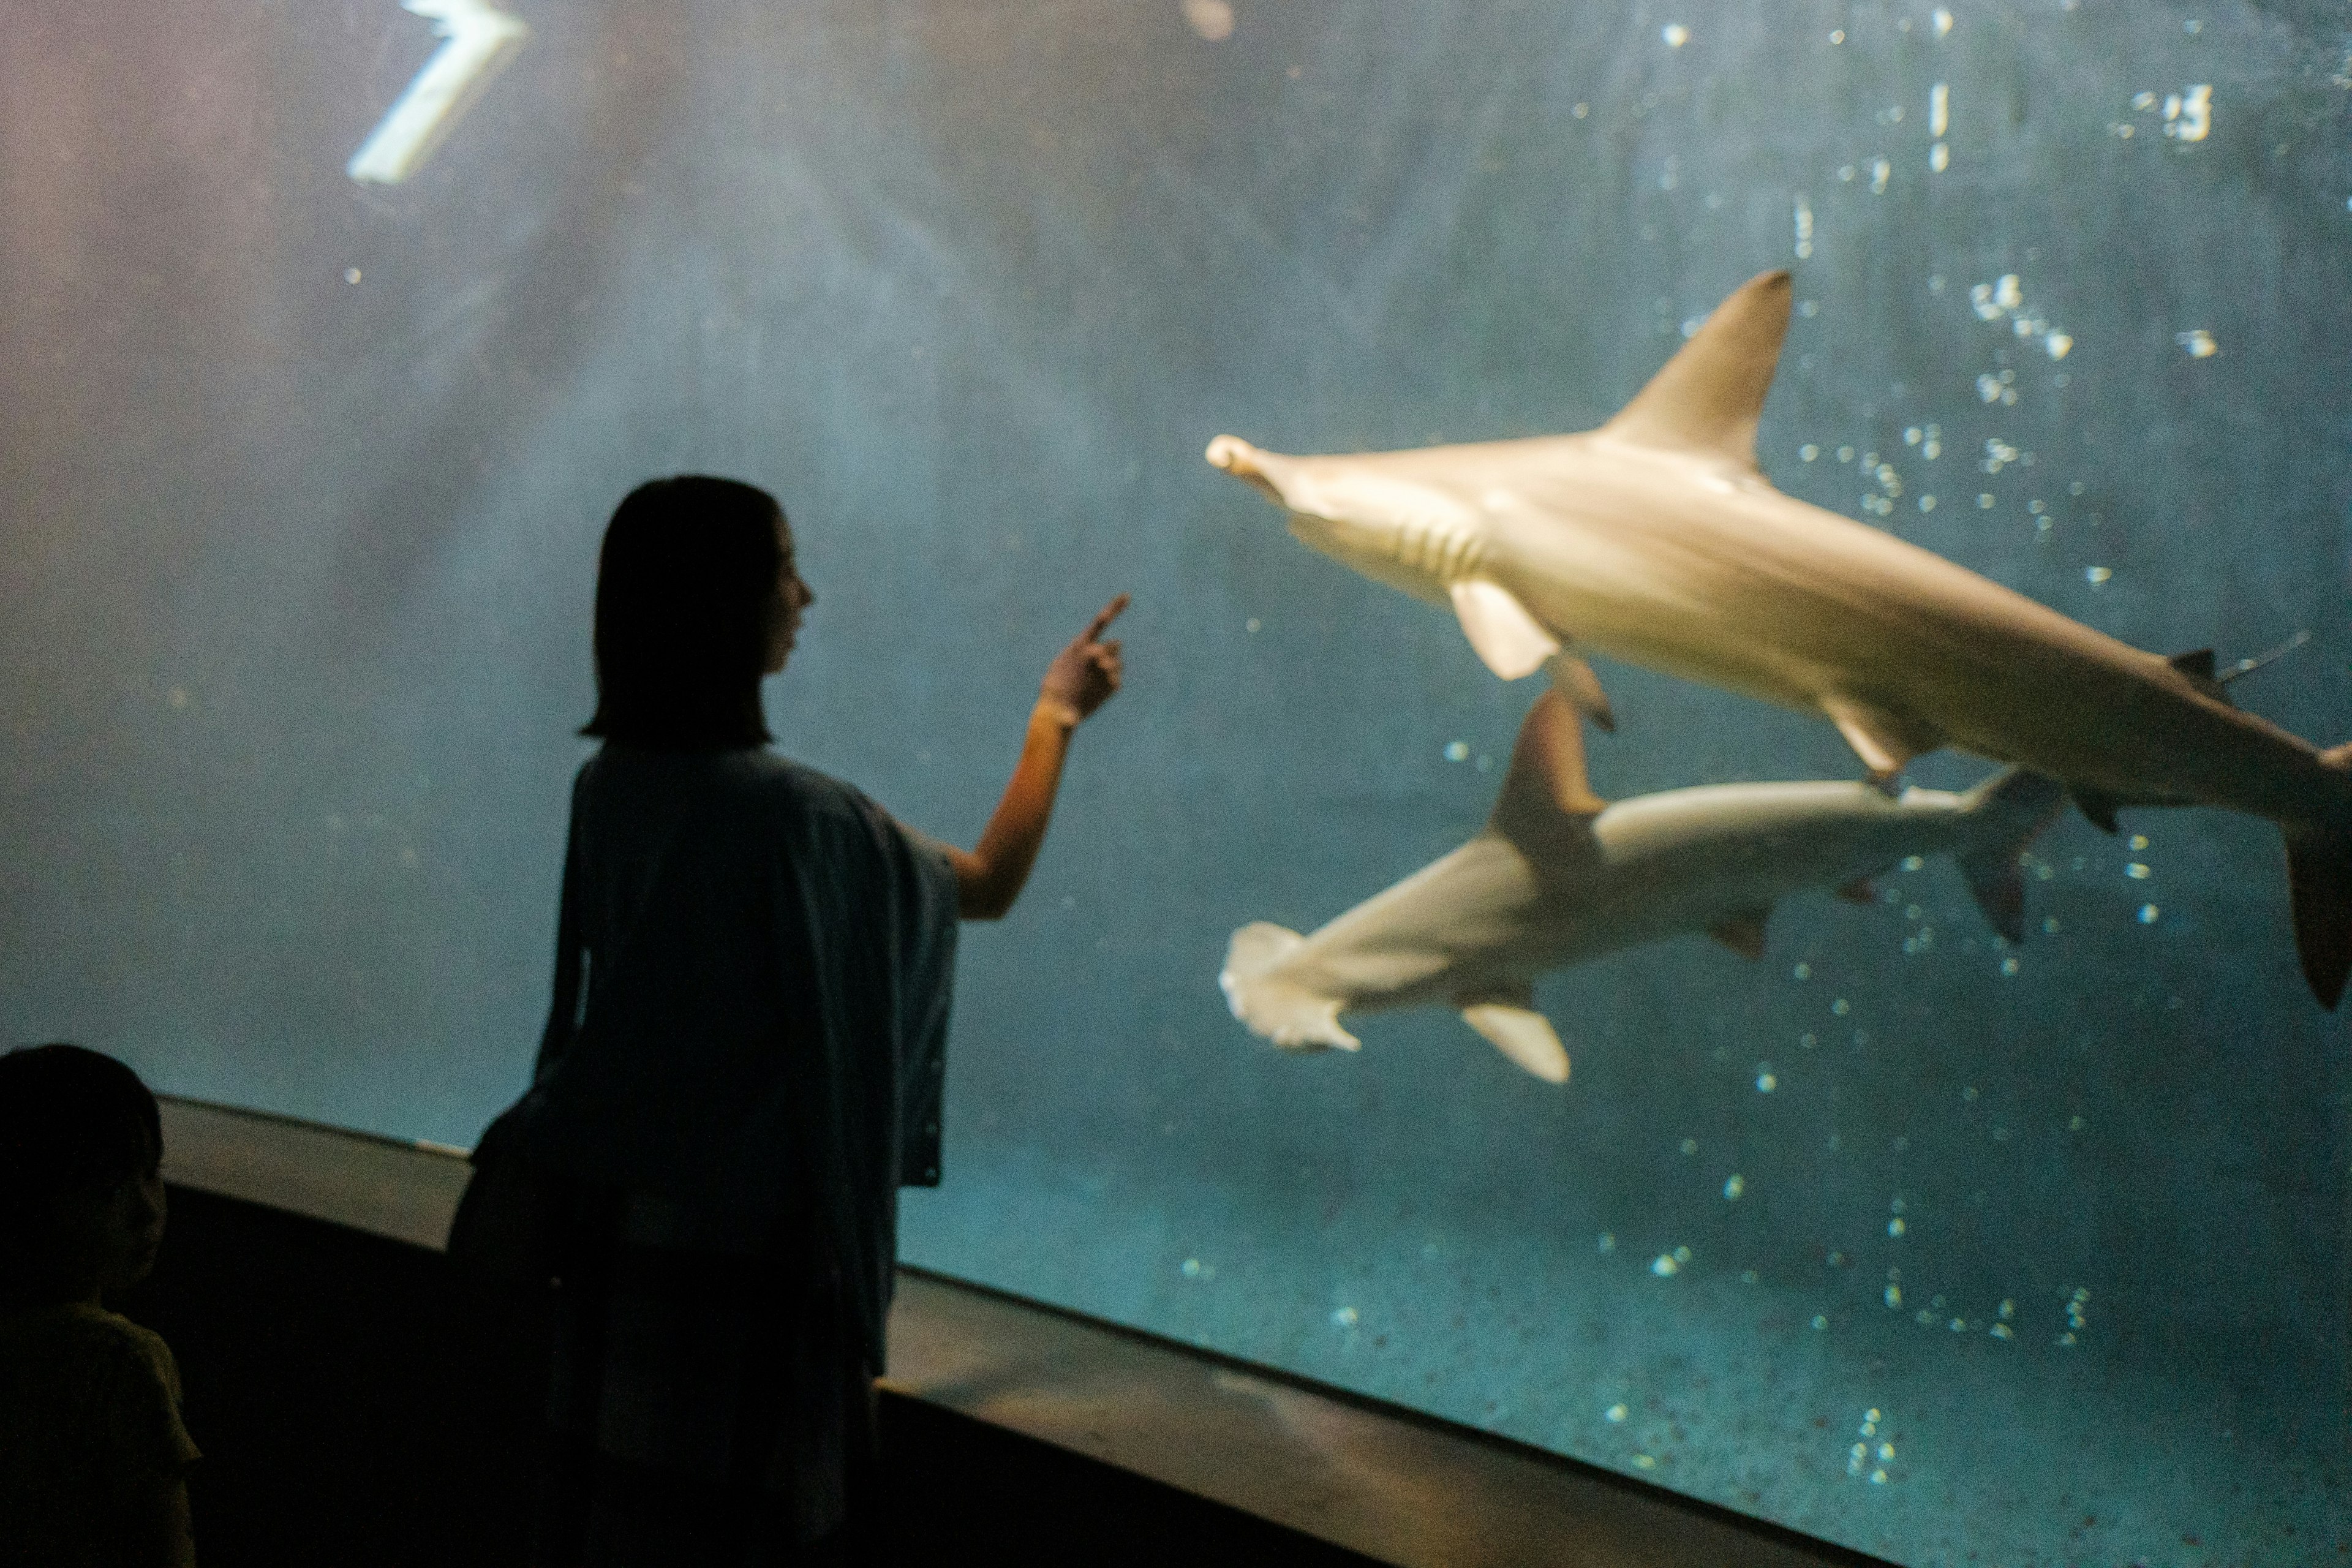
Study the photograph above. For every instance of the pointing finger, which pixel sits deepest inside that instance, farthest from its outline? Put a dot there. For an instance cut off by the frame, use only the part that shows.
(1108, 614)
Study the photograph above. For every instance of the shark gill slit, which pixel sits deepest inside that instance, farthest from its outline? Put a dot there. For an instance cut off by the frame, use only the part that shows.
(1448, 554)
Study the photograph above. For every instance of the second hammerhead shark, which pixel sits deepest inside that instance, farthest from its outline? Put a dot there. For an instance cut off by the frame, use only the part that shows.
(1559, 877)
(1656, 540)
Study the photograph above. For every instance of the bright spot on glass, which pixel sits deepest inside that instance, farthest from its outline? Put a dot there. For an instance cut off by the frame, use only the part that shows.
(1345, 1317)
(1766, 1081)
(1894, 1225)
(1841, 1006)
(1212, 19)
(1837, 35)
(1675, 34)
(1644, 1462)
(2135, 871)
(2198, 344)
(1191, 1268)
(1681, 1255)
(1608, 1241)
(2148, 914)
(1616, 1415)
(351, 274)
(1926, 503)
(1943, 21)
(1457, 751)
(1250, 625)
(1690, 1145)
(1808, 452)
(1734, 1185)
(1665, 1267)
(1895, 1295)
(1802, 972)
(1821, 1320)
(2095, 576)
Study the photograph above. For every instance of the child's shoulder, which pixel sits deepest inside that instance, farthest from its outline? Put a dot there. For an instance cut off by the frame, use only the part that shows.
(85, 1342)
(82, 1369)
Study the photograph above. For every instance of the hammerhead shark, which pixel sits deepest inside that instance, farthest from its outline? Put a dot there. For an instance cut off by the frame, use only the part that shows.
(1559, 877)
(1655, 538)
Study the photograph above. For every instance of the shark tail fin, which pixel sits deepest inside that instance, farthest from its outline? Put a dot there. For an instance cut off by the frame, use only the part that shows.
(2319, 883)
(1290, 1015)
(1710, 393)
(2017, 805)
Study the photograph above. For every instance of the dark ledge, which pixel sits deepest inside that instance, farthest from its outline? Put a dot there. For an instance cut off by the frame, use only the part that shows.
(1369, 1477)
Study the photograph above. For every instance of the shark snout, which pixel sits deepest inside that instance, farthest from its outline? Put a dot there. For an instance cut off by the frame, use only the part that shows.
(1243, 461)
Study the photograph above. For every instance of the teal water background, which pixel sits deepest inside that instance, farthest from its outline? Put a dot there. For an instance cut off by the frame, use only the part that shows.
(300, 496)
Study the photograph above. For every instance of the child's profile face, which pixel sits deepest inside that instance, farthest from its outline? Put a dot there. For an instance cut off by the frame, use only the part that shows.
(108, 1232)
(792, 597)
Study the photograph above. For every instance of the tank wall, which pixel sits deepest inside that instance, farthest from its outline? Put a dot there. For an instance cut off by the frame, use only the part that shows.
(303, 478)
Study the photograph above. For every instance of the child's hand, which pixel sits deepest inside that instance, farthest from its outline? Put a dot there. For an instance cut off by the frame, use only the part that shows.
(1084, 675)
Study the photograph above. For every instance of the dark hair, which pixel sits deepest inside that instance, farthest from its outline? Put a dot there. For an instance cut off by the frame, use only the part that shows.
(686, 590)
(69, 1119)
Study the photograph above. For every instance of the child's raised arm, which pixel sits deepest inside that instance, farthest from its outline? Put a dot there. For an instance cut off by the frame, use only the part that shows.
(1080, 680)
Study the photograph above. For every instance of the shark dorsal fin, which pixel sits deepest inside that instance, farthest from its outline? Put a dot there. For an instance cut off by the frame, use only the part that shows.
(1709, 395)
(2197, 666)
(1546, 780)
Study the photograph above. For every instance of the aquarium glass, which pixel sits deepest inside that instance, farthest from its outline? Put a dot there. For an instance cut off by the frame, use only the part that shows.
(332, 332)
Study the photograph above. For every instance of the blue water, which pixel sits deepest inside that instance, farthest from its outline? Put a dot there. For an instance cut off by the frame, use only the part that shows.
(303, 477)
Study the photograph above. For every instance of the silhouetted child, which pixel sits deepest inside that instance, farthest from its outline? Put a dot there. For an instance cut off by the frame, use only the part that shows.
(94, 1457)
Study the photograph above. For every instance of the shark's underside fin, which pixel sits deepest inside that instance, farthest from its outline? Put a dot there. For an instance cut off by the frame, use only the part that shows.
(1709, 395)
(2319, 884)
(1574, 680)
(2096, 805)
(1883, 739)
(1510, 641)
(1545, 788)
(2023, 804)
(1998, 886)
(1523, 1034)
(1743, 932)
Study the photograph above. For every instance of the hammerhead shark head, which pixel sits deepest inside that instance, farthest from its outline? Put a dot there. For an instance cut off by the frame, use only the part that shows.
(1559, 877)
(1655, 538)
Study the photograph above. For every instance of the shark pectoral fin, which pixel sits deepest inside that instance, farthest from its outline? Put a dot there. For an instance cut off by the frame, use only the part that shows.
(2197, 665)
(1743, 933)
(1574, 680)
(1510, 641)
(1546, 779)
(2015, 806)
(1859, 892)
(1523, 1034)
(1999, 887)
(1709, 395)
(2319, 888)
(1884, 740)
